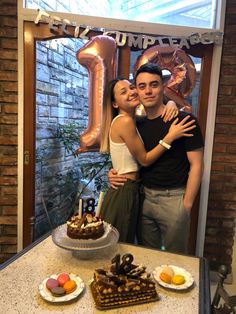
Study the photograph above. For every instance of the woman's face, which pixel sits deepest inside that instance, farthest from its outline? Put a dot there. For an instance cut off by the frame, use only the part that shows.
(126, 97)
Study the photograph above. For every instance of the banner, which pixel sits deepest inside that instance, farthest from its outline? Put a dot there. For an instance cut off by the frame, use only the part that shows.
(140, 41)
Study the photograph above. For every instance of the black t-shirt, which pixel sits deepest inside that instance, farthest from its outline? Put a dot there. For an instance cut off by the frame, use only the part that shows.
(171, 169)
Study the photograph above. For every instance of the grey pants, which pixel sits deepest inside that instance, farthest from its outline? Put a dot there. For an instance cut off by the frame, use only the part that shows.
(164, 222)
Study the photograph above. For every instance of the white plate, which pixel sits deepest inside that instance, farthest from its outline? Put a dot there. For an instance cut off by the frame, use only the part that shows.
(60, 238)
(178, 271)
(47, 295)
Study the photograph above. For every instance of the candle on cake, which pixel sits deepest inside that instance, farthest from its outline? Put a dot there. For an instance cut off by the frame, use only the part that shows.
(100, 200)
(80, 208)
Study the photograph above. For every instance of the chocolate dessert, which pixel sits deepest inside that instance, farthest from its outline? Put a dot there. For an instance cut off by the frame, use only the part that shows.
(123, 283)
(87, 227)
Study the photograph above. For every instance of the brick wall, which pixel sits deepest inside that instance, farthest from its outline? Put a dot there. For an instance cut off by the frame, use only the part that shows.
(8, 128)
(222, 200)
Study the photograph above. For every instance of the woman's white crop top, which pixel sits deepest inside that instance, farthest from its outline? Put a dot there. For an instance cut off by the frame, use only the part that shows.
(122, 159)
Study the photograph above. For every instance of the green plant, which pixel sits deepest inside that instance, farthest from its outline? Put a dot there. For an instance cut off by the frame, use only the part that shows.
(40, 152)
(68, 134)
(73, 180)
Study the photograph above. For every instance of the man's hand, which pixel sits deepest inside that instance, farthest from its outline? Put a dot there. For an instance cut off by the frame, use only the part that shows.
(115, 179)
(187, 206)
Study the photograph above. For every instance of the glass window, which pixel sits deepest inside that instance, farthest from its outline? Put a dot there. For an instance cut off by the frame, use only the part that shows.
(62, 176)
(194, 13)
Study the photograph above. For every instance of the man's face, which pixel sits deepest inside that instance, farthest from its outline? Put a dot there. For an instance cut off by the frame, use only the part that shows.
(150, 89)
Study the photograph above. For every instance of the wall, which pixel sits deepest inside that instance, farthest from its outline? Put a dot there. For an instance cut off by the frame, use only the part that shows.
(8, 128)
(61, 110)
(222, 200)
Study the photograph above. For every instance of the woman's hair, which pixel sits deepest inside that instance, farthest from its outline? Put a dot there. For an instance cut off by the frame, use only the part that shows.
(109, 113)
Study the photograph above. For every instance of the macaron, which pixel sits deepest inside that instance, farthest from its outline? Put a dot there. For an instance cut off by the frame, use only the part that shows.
(168, 270)
(70, 286)
(165, 277)
(63, 278)
(58, 291)
(51, 283)
(178, 279)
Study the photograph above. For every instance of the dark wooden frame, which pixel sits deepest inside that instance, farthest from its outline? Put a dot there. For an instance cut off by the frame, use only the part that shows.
(32, 33)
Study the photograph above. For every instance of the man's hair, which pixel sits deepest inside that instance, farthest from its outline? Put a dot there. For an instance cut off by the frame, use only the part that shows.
(151, 68)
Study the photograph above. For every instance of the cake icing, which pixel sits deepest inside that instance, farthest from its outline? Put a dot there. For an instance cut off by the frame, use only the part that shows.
(87, 227)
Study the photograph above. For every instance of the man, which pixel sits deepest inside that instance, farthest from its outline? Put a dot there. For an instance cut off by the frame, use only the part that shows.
(172, 182)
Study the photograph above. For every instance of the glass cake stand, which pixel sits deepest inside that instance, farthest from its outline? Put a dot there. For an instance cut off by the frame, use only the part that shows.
(60, 238)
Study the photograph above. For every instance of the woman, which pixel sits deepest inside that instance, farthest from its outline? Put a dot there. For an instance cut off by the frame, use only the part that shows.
(121, 139)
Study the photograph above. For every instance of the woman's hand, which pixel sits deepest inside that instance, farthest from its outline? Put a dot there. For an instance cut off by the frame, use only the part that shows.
(115, 179)
(170, 111)
(180, 129)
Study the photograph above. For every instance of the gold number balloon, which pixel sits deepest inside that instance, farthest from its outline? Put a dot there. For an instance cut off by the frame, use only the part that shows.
(98, 56)
(181, 67)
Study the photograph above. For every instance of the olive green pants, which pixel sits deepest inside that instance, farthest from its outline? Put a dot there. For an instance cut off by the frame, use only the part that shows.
(120, 208)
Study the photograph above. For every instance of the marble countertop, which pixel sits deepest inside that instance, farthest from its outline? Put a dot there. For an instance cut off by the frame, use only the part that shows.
(21, 278)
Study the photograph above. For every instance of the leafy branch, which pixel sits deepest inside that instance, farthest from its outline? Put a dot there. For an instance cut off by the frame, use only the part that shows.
(68, 134)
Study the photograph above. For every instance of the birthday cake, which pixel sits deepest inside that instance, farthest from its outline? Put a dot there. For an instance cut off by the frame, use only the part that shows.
(122, 283)
(86, 227)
